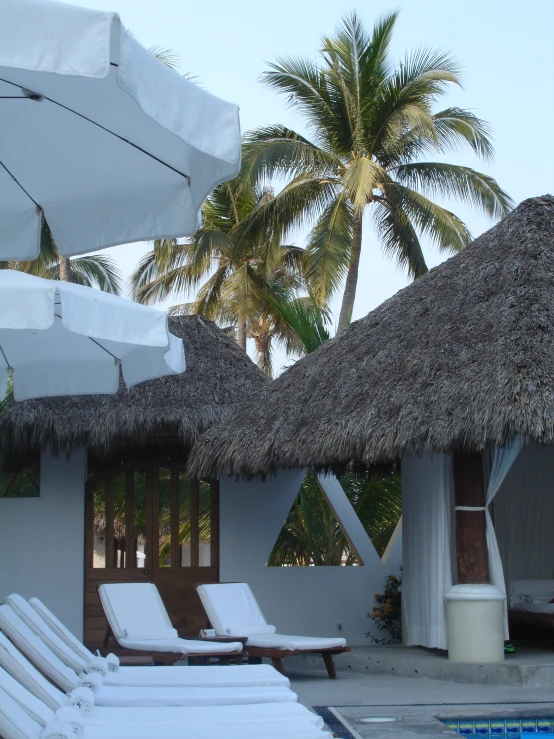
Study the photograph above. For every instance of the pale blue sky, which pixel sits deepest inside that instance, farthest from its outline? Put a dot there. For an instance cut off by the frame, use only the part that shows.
(505, 47)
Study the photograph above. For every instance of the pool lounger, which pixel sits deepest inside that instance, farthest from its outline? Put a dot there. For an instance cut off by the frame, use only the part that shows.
(138, 620)
(234, 611)
(76, 656)
(110, 695)
(22, 716)
(21, 670)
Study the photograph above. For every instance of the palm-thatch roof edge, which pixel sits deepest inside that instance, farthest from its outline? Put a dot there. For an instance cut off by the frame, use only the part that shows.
(464, 356)
(218, 377)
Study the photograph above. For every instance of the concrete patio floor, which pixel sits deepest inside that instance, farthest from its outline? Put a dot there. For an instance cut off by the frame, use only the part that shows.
(532, 664)
(369, 686)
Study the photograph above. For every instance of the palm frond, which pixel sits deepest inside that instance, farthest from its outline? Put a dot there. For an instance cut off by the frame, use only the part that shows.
(360, 179)
(398, 236)
(306, 319)
(97, 271)
(277, 151)
(451, 180)
(167, 56)
(329, 248)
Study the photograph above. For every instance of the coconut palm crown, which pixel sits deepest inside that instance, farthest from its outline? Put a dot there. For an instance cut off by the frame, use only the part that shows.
(237, 274)
(371, 127)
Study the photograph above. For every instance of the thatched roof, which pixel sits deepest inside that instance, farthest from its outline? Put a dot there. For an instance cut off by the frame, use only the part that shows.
(463, 356)
(218, 375)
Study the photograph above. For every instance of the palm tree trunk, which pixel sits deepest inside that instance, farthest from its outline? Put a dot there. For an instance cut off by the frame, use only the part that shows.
(352, 277)
(241, 334)
(66, 275)
(263, 350)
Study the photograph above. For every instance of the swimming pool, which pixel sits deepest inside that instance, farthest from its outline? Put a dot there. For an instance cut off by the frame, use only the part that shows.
(501, 727)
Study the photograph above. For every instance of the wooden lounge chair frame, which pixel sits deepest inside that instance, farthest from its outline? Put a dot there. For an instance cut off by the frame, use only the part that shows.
(277, 655)
(169, 658)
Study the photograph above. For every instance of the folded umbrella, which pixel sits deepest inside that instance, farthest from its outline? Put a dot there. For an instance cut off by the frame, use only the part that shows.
(63, 339)
(99, 137)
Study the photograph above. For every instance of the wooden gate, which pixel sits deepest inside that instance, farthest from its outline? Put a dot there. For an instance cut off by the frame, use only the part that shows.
(149, 522)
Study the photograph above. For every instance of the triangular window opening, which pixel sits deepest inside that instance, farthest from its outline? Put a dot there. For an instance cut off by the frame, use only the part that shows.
(311, 535)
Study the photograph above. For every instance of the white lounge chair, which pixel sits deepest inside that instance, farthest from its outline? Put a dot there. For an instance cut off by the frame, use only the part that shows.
(234, 611)
(19, 668)
(112, 695)
(76, 656)
(138, 620)
(150, 720)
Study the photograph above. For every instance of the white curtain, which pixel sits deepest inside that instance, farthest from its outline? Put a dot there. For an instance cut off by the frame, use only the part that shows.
(426, 556)
(502, 459)
(524, 514)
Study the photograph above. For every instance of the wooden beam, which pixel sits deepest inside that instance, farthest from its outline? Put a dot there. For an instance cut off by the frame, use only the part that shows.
(194, 513)
(89, 526)
(151, 472)
(471, 526)
(130, 551)
(108, 533)
(155, 548)
(175, 548)
(214, 523)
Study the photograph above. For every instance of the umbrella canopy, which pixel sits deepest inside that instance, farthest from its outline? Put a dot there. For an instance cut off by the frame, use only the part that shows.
(99, 137)
(463, 357)
(64, 339)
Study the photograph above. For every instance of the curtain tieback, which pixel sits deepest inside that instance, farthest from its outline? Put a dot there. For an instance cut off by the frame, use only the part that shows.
(470, 508)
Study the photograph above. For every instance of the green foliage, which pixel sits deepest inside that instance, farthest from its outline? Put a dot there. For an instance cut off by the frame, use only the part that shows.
(312, 536)
(233, 262)
(387, 614)
(23, 484)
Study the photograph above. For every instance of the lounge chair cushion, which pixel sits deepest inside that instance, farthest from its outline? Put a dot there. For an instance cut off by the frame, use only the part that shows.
(197, 715)
(138, 619)
(23, 671)
(60, 630)
(202, 676)
(284, 641)
(191, 696)
(232, 609)
(15, 723)
(36, 709)
(181, 646)
(136, 609)
(38, 626)
(41, 656)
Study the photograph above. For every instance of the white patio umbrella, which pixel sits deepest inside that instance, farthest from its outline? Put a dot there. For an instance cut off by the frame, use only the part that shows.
(98, 136)
(63, 339)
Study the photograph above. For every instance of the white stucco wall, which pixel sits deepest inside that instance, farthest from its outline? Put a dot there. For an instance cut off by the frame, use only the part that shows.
(42, 540)
(315, 601)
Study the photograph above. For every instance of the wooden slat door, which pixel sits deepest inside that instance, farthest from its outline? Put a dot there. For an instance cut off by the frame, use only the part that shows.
(149, 522)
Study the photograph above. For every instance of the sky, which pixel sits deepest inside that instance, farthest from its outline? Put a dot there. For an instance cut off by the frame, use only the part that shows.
(505, 48)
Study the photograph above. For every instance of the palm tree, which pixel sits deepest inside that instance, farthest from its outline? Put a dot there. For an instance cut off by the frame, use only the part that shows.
(91, 271)
(372, 126)
(236, 271)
